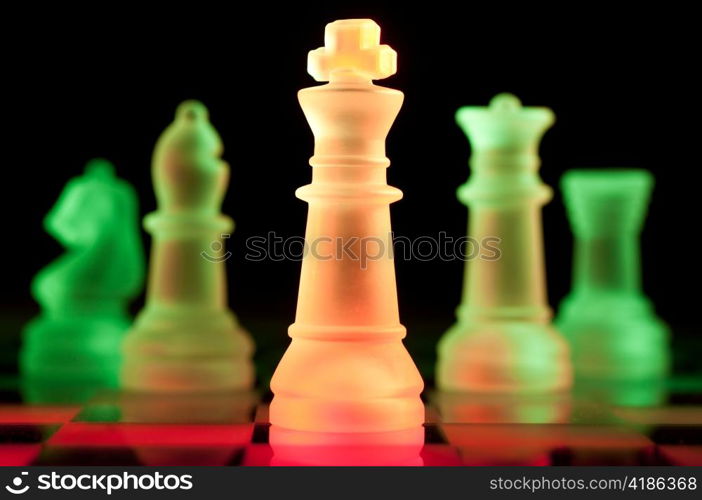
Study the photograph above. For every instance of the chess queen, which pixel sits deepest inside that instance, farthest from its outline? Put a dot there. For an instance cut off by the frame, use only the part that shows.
(347, 369)
(503, 340)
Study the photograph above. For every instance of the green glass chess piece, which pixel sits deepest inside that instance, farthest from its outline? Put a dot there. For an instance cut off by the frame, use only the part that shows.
(186, 340)
(503, 340)
(611, 325)
(74, 344)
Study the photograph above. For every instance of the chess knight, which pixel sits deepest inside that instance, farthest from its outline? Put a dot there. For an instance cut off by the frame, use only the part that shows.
(73, 347)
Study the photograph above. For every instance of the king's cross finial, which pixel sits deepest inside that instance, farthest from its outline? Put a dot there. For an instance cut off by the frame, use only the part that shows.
(352, 50)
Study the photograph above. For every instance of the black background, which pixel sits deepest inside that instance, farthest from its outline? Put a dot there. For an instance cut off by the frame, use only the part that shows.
(106, 82)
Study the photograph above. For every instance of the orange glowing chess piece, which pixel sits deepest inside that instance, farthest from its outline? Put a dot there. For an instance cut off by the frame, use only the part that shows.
(346, 369)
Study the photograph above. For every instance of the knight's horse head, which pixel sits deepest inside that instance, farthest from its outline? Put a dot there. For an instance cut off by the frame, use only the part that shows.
(96, 219)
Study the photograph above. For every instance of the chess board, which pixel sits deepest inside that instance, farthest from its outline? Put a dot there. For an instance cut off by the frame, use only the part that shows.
(233, 430)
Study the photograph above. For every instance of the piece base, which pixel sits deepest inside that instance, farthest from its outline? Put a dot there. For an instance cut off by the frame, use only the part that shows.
(615, 339)
(74, 350)
(506, 357)
(346, 386)
(187, 352)
(187, 375)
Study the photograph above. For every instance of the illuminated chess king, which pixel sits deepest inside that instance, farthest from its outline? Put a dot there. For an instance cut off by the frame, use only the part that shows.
(186, 339)
(503, 340)
(346, 369)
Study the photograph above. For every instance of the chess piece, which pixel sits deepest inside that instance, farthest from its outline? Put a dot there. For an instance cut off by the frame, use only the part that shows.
(346, 369)
(186, 339)
(73, 347)
(503, 340)
(611, 325)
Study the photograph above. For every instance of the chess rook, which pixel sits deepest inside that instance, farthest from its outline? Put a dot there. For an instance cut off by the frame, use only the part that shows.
(186, 339)
(611, 325)
(503, 340)
(346, 369)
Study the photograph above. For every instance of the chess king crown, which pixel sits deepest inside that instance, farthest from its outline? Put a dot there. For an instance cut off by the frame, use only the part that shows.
(352, 50)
